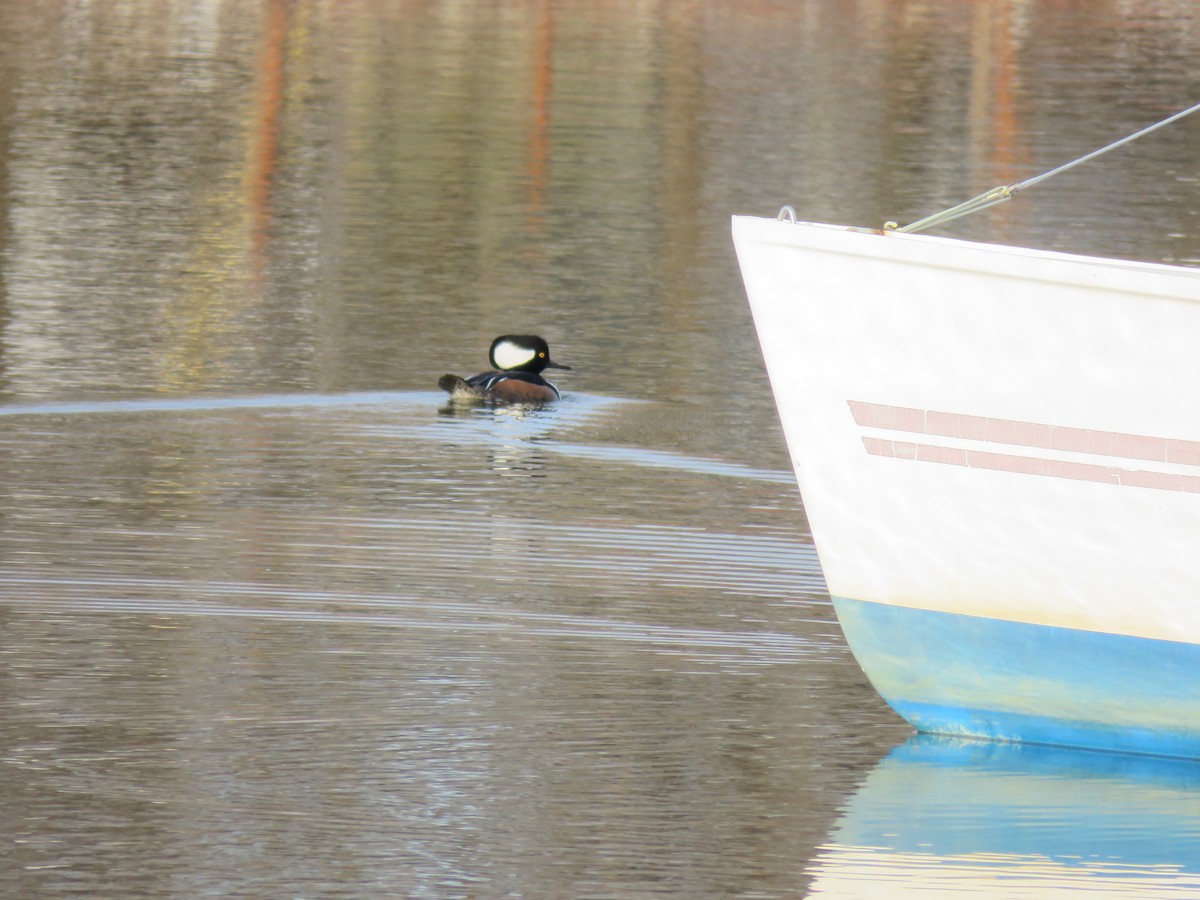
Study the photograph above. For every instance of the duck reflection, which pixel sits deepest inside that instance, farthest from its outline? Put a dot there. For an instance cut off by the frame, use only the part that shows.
(949, 818)
(510, 433)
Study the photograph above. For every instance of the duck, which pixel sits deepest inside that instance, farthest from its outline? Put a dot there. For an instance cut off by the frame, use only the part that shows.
(515, 377)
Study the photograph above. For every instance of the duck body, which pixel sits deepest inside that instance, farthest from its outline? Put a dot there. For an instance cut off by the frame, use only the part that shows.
(518, 361)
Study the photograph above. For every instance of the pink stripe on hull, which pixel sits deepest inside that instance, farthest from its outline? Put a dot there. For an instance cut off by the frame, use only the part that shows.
(1026, 434)
(1026, 465)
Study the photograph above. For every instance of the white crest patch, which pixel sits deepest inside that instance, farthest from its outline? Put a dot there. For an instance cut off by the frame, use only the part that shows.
(508, 355)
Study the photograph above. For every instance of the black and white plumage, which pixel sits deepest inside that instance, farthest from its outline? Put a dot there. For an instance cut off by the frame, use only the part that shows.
(518, 361)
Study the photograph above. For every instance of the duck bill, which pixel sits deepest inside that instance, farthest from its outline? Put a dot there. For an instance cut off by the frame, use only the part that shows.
(550, 364)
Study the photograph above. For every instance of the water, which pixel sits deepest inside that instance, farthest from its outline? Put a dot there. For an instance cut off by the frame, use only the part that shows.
(277, 622)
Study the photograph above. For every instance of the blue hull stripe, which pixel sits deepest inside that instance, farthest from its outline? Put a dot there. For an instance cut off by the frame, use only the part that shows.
(948, 673)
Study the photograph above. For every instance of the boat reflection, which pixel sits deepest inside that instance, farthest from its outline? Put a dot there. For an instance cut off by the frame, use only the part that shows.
(950, 818)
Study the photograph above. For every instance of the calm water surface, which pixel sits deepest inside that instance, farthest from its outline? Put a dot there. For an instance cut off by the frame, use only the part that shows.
(277, 622)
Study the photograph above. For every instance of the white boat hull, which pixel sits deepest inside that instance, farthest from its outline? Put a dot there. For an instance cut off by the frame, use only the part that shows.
(999, 455)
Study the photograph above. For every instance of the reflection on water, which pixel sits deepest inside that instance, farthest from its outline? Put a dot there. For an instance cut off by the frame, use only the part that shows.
(276, 622)
(971, 819)
(302, 644)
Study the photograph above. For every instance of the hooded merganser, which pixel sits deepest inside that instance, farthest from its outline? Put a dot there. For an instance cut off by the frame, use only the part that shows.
(519, 360)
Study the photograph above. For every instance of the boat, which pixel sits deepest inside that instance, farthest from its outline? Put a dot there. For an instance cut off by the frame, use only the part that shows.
(998, 451)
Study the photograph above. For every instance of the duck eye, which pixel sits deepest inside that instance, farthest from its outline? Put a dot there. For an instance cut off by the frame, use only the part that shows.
(541, 355)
